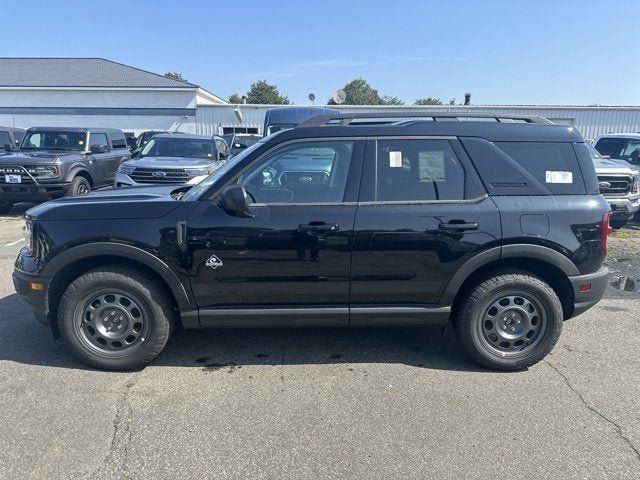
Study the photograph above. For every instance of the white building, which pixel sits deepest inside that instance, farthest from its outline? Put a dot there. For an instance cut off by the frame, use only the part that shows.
(81, 92)
(591, 121)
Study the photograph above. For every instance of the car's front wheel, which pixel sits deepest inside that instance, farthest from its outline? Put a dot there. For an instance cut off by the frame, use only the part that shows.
(79, 187)
(116, 318)
(509, 321)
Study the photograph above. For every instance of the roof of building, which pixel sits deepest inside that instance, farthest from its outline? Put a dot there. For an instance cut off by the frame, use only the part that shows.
(80, 73)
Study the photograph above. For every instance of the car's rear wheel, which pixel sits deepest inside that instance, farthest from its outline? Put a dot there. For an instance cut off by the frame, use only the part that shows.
(79, 187)
(509, 321)
(116, 318)
(5, 206)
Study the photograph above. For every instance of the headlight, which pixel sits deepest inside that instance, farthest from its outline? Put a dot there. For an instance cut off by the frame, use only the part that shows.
(126, 169)
(197, 172)
(44, 170)
(29, 237)
(636, 184)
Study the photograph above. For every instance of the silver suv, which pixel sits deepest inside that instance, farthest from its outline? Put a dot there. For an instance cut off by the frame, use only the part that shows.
(169, 158)
(620, 184)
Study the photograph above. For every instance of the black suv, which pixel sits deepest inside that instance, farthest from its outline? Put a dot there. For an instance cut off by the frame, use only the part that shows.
(495, 225)
(55, 161)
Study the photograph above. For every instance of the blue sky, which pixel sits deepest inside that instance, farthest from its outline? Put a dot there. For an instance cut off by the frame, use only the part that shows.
(503, 52)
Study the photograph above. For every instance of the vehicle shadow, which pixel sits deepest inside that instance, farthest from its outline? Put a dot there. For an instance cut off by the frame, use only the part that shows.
(24, 340)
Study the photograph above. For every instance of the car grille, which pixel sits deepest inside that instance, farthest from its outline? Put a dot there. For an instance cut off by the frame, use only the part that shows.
(160, 175)
(616, 185)
(16, 170)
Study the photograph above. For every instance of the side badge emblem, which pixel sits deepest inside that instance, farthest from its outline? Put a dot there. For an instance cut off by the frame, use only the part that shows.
(214, 262)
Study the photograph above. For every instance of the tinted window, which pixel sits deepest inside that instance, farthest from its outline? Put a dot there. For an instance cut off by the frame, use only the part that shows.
(98, 139)
(54, 140)
(19, 136)
(309, 172)
(118, 140)
(418, 170)
(554, 165)
(611, 146)
(5, 138)
(179, 147)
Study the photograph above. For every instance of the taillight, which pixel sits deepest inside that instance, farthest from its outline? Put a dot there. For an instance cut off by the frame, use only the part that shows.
(606, 230)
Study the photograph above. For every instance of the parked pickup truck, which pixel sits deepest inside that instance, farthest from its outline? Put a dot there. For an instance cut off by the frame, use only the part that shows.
(56, 161)
(620, 184)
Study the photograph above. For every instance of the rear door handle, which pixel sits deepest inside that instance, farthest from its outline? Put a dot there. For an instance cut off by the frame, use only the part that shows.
(458, 226)
(318, 227)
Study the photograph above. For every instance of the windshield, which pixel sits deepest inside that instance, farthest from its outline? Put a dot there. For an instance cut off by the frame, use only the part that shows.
(54, 140)
(617, 147)
(204, 185)
(179, 147)
(593, 152)
(278, 127)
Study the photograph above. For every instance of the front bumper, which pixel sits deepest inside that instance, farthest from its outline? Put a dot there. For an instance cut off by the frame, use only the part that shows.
(34, 290)
(30, 192)
(585, 298)
(624, 206)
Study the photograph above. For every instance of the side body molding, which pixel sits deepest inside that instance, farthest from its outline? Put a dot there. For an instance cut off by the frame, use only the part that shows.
(56, 264)
(537, 252)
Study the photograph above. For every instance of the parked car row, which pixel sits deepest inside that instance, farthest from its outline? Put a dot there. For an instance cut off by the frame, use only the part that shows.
(43, 163)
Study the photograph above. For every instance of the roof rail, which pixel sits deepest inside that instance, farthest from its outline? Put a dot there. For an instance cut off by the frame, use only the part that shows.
(345, 119)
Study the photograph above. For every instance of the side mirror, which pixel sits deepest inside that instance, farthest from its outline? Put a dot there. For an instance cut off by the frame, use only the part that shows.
(235, 200)
(98, 148)
(8, 147)
(135, 153)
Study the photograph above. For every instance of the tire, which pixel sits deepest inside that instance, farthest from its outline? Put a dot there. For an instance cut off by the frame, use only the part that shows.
(5, 207)
(509, 321)
(618, 224)
(116, 318)
(79, 187)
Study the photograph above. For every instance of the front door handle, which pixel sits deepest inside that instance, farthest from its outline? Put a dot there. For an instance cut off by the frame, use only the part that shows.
(318, 227)
(455, 226)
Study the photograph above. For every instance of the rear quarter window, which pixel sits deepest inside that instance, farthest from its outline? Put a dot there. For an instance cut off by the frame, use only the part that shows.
(118, 140)
(554, 165)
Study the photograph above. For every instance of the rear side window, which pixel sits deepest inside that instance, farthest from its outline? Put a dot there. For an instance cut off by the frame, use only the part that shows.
(554, 165)
(118, 140)
(98, 139)
(418, 170)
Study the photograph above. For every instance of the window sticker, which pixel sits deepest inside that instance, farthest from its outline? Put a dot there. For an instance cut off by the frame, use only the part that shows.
(80, 142)
(395, 159)
(209, 155)
(552, 176)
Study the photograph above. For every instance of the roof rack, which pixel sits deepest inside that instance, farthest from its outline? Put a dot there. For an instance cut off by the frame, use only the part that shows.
(345, 119)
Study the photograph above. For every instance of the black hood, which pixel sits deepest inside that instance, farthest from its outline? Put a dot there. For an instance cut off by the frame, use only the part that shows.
(111, 204)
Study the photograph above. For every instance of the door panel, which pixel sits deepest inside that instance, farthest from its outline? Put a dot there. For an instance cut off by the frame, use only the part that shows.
(423, 213)
(284, 256)
(294, 252)
(406, 254)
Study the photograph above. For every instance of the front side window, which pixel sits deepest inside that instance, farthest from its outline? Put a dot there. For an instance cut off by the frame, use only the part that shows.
(54, 140)
(303, 172)
(98, 139)
(179, 147)
(418, 170)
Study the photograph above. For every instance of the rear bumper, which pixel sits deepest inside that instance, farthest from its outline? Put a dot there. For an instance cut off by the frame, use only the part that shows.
(597, 284)
(29, 192)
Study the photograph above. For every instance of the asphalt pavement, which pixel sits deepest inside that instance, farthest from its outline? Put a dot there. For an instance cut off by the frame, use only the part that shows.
(321, 403)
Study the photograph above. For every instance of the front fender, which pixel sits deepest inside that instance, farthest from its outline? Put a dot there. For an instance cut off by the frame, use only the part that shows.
(181, 293)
